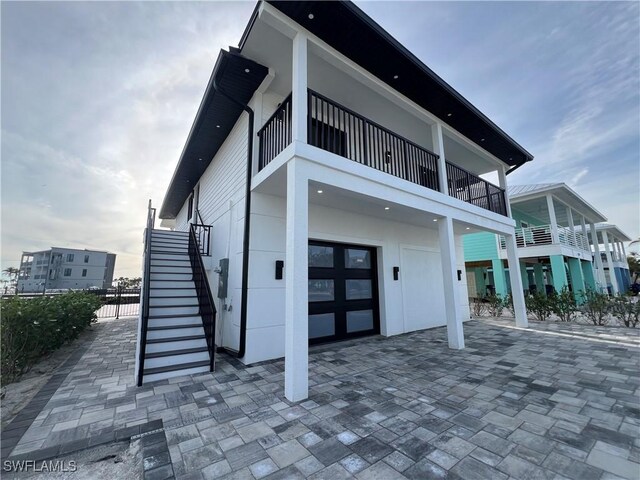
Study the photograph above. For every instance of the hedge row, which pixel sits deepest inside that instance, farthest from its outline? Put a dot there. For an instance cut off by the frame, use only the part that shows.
(594, 307)
(33, 327)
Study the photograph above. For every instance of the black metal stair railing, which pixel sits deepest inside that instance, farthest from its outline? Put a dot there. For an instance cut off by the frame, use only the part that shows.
(206, 305)
(144, 297)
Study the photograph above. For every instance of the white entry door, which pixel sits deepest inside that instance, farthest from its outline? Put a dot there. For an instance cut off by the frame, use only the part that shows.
(422, 289)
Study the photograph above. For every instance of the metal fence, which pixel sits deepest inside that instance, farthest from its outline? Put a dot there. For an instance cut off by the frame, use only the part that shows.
(118, 302)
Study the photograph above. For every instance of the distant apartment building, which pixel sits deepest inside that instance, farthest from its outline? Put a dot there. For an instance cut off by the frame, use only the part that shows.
(65, 268)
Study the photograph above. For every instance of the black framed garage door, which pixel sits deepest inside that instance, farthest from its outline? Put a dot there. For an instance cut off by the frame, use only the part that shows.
(343, 292)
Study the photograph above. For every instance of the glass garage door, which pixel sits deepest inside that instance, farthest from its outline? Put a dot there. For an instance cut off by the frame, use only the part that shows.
(343, 292)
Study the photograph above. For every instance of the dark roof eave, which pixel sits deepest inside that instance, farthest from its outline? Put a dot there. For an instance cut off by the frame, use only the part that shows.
(214, 120)
(345, 36)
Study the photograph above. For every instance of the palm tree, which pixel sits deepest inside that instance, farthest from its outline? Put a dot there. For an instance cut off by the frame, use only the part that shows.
(12, 273)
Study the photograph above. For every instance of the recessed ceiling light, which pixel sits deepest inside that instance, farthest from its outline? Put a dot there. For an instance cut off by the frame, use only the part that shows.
(468, 228)
(395, 77)
(310, 16)
(200, 159)
(387, 208)
(482, 139)
(217, 126)
(449, 114)
(246, 70)
(435, 219)
(319, 191)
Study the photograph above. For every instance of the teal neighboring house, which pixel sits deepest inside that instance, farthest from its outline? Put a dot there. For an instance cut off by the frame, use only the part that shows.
(559, 237)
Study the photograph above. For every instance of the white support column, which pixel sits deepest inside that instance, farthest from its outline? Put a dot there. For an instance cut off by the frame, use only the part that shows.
(583, 224)
(517, 289)
(612, 273)
(502, 182)
(299, 89)
(296, 330)
(572, 227)
(552, 220)
(601, 279)
(453, 309)
(618, 245)
(438, 148)
(624, 255)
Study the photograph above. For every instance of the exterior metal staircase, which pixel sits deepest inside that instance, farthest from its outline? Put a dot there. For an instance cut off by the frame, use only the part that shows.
(177, 315)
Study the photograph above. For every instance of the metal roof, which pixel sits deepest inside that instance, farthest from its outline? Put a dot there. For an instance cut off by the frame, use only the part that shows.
(522, 194)
(614, 229)
(515, 191)
(237, 76)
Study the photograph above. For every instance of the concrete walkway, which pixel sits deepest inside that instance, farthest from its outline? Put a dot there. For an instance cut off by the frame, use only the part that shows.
(553, 401)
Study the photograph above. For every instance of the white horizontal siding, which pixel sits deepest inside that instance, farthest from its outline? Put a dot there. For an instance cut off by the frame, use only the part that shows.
(225, 176)
(182, 220)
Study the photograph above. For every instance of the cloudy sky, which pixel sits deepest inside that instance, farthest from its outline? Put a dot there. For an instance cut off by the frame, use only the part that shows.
(98, 98)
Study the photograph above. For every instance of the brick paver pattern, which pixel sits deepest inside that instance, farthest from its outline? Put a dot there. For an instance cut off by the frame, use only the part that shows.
(553, 401)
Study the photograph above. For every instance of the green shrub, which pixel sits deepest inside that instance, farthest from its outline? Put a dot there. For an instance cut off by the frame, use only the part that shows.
(33, 327)
(626, 310)
(495, 305)
(564, 305)
(538, 305)
(596, 306)
(507, 304)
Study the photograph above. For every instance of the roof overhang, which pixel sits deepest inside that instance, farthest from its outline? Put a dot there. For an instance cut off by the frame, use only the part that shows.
(613, 230)
(237, 76)
(350, 31)
(561, 192)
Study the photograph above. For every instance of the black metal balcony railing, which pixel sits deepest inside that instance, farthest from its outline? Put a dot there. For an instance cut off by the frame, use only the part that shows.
(339, 130)
(275, 135)
(470, 188)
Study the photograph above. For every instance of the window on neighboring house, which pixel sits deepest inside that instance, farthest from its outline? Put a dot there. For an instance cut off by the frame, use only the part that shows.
(84, 272)
(67, 272)
(86, 259)
(70, 257)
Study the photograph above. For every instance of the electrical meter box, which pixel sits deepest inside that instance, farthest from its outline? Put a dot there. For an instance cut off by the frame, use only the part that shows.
(223, 276)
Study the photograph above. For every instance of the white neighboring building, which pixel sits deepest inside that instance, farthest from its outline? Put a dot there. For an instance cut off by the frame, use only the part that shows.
(355, 167)
(65, 268)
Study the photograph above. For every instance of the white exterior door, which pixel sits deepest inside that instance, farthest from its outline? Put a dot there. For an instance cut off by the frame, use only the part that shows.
(422, 289)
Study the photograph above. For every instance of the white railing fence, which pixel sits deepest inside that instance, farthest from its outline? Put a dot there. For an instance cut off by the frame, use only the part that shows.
(541, 235)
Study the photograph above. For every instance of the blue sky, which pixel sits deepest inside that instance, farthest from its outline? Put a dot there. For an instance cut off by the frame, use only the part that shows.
(98, 98)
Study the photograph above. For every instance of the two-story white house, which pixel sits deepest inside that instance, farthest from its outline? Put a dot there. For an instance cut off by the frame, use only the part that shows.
(338, 174)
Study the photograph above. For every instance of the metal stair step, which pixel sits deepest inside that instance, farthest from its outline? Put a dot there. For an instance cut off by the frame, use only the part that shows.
(171, 353)
(171, 327)
(172, 368)
(177, 339)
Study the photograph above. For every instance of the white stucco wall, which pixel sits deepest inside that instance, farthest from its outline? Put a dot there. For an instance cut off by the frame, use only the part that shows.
(266, 301)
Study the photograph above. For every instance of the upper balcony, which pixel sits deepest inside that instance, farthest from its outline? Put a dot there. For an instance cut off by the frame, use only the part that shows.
(344, 132)
(543, 235)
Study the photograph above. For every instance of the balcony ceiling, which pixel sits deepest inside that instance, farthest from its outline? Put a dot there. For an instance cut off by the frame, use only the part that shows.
(351, 32)
(239, 77)
(531, 200)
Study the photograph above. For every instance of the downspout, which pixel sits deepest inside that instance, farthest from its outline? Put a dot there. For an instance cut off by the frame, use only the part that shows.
(247, 225)
(517, 166)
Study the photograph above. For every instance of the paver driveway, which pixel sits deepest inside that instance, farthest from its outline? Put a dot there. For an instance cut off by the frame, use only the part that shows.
(553, 401)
